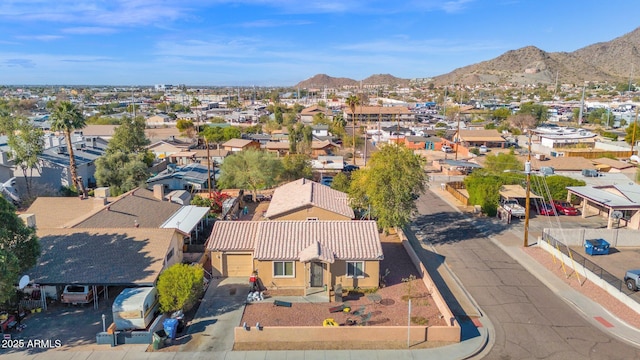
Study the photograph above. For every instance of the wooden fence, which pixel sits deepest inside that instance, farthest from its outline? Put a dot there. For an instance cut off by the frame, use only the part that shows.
(453, 188)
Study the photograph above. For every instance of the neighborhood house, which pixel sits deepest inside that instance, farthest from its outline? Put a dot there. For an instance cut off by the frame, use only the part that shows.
(298, 255)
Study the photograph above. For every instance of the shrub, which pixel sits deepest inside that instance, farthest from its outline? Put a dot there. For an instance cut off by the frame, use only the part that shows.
(180, 286)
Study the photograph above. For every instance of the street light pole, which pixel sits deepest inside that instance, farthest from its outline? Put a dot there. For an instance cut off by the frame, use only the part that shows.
(527, 171)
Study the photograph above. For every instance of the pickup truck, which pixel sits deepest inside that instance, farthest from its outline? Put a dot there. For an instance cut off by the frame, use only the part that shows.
(514, 208)
(77, 294)
(632, 279)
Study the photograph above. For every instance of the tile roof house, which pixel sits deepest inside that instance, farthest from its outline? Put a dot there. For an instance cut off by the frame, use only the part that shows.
(304, 199)
(298, 255)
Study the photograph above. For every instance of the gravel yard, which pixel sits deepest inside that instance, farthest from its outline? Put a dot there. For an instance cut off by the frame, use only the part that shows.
(390, 310)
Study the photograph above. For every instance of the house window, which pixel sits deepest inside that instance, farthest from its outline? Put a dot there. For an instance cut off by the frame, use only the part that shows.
(355, 269)
(283, 269)
(169, 255)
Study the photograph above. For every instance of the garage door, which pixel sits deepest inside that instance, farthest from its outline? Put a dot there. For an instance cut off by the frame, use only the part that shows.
(239, 265)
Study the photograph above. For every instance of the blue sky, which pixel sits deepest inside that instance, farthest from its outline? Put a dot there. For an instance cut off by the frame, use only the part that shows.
(282, 42)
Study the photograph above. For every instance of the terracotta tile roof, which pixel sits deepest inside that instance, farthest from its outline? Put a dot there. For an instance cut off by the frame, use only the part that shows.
(302, 193)
(288, 240)
(137, 206)
(57, 212)
(101, 256)
(233, 236)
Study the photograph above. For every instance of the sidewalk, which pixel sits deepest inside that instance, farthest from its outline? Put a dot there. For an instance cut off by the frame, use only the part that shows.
(511, 243)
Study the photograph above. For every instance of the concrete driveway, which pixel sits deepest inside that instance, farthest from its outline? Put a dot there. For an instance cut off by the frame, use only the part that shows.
(220, 311)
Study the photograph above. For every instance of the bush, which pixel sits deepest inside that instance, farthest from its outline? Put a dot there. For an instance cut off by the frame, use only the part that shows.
(474, 151)
(179, 287)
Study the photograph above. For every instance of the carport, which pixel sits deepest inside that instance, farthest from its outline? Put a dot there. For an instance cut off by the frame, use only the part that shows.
(101, 257)
(516, 192)
(187, 220)
(618, 202)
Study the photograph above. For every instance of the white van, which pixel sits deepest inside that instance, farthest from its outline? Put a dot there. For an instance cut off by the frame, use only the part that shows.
(447, 148)
(135, 308)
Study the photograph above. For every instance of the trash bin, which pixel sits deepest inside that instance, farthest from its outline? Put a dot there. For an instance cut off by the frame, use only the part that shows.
(170, 327)
(179, 315)
(158, 339)
(596, 247)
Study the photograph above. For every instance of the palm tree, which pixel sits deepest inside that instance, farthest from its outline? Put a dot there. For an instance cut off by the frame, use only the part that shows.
(352, 101)
(66, 117)
(195, 103)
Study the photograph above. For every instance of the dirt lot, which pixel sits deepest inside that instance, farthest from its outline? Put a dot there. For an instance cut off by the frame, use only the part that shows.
(390, 310)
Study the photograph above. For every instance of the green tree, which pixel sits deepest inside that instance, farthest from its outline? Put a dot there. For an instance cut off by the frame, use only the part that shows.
(501, 114)
(296, 166)
(231, 132)
(186, 127)
(179, 287)
(19, 249)
(341, 182)
(484, 188)
(251, 170)
(27, 144)
(66, 117)
(632, 133)
(129, 137)
(392, 178)
(539, 112)
(501, 162)
(121, 171)
(554, 187)
(598, 116)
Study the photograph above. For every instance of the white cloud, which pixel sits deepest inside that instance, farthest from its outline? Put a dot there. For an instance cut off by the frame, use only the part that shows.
(274, 23)
(40, 37)
(88, 30)
(111, 13)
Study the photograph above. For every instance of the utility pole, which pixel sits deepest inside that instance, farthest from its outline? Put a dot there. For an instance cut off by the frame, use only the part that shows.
(458, 135)
(527, 171)
(206, 142)
(633, 134)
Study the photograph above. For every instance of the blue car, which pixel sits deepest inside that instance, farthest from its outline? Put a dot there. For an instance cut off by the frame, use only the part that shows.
(326, 181)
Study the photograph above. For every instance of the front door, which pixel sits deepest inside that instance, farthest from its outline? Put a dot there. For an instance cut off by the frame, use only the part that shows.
(317, 271)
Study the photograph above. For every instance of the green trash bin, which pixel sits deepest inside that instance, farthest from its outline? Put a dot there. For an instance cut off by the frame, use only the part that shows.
(159, 338)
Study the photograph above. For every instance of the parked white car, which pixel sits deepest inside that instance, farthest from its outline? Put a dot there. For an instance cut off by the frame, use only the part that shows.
(447, 148)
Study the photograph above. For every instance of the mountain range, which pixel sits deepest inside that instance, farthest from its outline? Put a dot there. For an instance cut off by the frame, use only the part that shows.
(611, 61)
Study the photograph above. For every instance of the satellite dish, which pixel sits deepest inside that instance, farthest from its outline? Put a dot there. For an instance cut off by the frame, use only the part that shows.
(617, 215)
(24, 281)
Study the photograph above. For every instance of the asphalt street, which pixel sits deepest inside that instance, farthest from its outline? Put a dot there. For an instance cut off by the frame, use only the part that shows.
(530, 321)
